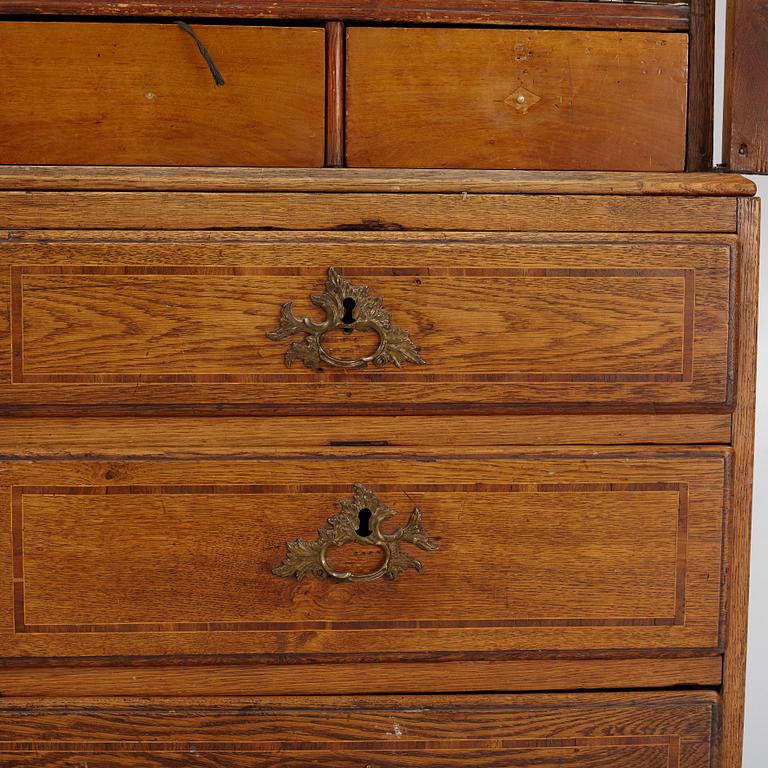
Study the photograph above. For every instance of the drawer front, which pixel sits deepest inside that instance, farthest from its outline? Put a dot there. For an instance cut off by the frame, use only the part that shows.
(133, 94)
(537, 99)
(542, 551)
(478, 321)
(660, 730)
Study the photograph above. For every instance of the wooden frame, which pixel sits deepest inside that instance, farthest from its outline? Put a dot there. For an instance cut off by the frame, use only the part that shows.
(696, 18)
(742, 439)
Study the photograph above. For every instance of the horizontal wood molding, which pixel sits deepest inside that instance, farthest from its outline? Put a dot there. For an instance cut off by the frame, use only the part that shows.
(657, 15)
(403, 181)
(239, 437)
(364, 211)
(634, 730)
(346, 678)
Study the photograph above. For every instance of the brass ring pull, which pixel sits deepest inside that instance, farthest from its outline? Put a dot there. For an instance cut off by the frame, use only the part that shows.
(347, 308)
(349, 576)
(359, 520)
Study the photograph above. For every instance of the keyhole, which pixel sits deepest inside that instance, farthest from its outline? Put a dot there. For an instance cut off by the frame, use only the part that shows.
(364, 529)
(349, 305)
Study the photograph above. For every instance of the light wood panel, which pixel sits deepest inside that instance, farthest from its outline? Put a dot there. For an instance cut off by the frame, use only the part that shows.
(538, 551)
(536, 99)
(346, 678)
(142, 94)
(35, 177)
(524, 324)
(633, 730)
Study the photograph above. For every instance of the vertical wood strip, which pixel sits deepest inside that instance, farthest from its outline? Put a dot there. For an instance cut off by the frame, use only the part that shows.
(17, 325)
(17, 541)
(745, 136)
(737, 575)
(334, 108)
(701, 85)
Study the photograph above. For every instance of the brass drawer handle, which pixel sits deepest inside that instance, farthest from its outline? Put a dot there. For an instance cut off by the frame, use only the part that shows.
(359, 520)
(349, 309)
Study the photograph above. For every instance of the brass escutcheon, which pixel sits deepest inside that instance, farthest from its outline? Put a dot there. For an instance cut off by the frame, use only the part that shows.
(348, 308)
(311, 557)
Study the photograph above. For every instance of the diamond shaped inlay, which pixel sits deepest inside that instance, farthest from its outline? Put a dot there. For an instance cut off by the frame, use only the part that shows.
(522, 99)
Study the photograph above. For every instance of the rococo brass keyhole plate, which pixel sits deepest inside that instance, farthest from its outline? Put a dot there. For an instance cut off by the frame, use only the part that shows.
(347, 308)
(311, 557)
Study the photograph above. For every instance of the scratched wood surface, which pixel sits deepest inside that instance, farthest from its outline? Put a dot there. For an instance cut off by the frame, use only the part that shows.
(634, 730)
(543, 549)
(405, 180)
(657, 14)
(339, 677)
(526, 324)
(141, 94)
(745, 140)
(537, 99)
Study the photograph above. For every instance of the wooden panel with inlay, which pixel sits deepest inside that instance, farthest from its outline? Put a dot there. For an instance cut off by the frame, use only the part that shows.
(538, 99)
(543, 550)
(633, 730)
(142, 94)
(498, 321)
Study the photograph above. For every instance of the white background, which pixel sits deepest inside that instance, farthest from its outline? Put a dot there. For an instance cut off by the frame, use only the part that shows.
(756, 733)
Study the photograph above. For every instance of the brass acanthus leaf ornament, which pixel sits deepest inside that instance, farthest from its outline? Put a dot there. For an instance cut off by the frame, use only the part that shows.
(351, 309)
(310, 557)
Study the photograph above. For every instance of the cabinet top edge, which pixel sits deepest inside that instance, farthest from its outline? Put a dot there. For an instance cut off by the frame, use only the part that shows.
(343, 180)
(606, 14)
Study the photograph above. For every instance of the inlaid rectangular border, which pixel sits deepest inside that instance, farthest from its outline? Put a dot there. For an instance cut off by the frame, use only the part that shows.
(687, 275)
(17, 534)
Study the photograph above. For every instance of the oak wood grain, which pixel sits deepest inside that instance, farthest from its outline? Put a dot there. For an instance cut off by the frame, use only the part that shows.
(129, 437)
(536, 99)
(225, 679)
(658, 14)
(634, 730)
(111, 94)
(174, 557)
(403, 180)
(740, 512)
(361, 211)
(525, 324)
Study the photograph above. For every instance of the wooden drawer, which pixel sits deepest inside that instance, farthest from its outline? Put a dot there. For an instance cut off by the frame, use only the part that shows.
(503, 98)
(473, 321)
(632, 730)
(542, 550)
(132, 94)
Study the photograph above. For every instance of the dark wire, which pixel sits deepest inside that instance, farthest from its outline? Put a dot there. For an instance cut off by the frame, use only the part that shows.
(217, 78)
